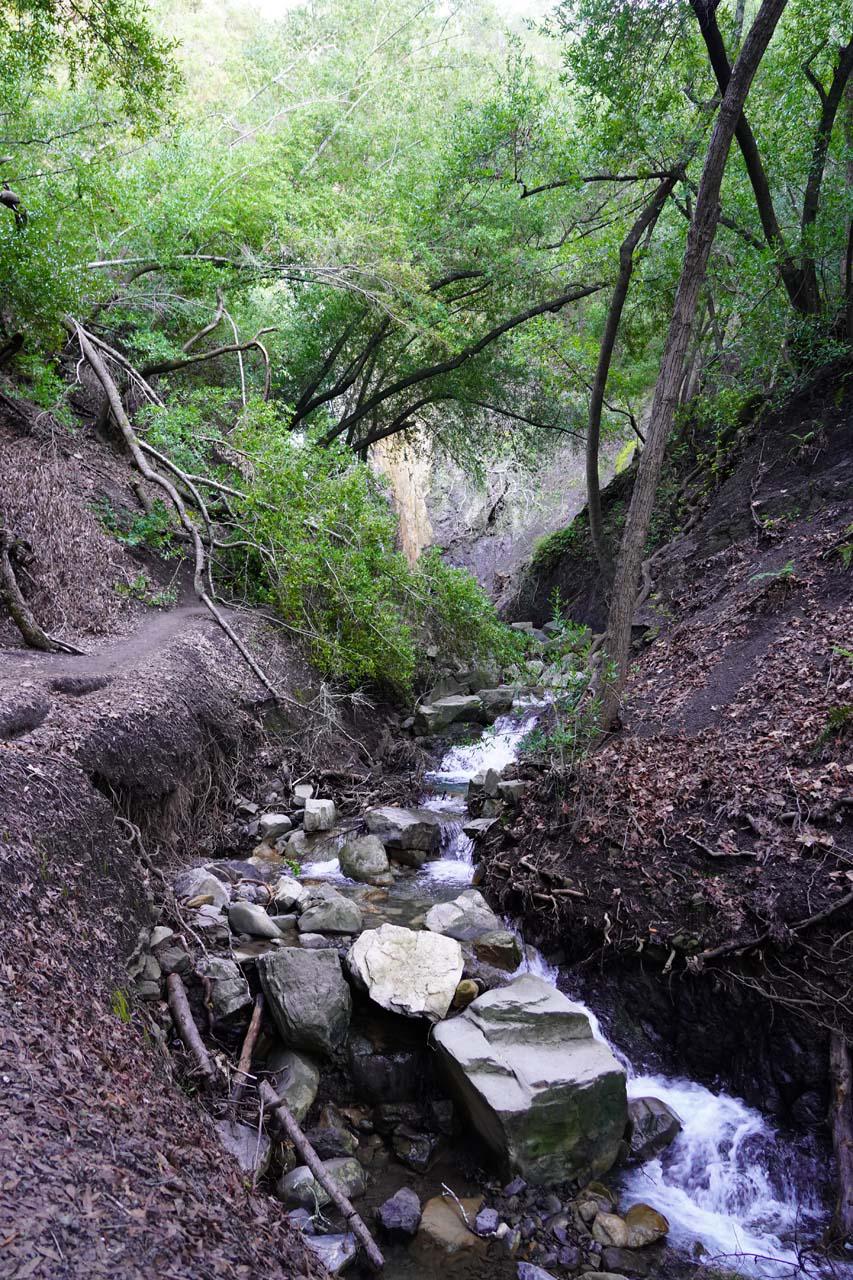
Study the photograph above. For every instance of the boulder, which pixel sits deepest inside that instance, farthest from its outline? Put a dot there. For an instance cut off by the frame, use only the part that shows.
(497, 702)
(288, 893)
(444, 1230)
(332, 1141)
(229, 990)
(645, 1226)
(652, 1126)
(499, 948)
(405, 829)
(611, 1230)
(198, 882)
(251, 918)
(335, 1252)
(300, 1188)
(477, 827)
(407, 972)
(301, 792)
(319, 816)
(512, 791)
(273, 825)
(546, 1096)
(364, 858)
(296, 1077)
(308, 997)
(456, 708)
(251, 1151)
(400, 1217)
(313, 846)
(327, 911)
(465, 918)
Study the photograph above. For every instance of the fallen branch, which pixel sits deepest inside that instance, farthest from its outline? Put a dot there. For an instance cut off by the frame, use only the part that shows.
(285, 1118)
(19, 611)
(103, 375)
(187, 1029)
(749, 944)
(245, 1063)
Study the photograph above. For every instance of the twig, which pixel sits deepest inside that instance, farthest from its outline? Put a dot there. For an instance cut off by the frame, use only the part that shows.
(286, 1119)
(728, 948)
(244, 1065)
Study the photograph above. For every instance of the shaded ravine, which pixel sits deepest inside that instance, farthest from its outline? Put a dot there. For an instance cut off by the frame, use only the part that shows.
(731, 1186)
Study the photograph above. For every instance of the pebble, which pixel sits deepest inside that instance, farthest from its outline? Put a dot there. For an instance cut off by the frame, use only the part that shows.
(486, 1223)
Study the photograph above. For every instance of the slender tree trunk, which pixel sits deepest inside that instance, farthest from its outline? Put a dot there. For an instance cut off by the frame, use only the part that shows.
(699, 240)
(645, 222)
(841, 1118)
(830, 102)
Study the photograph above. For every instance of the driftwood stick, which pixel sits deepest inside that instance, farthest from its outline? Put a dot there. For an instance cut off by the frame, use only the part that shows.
(245, 1063)
(841, 1120)
(285, 1118)
(187, 1029)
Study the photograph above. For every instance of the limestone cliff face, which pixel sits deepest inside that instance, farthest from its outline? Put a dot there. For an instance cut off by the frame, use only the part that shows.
(488, 525)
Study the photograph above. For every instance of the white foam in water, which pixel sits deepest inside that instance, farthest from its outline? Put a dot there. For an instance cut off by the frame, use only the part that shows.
(496, 748)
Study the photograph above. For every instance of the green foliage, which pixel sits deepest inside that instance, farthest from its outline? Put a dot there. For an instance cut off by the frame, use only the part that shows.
(121, 1006)
(845, 550)
(141, 589)
(784, 574)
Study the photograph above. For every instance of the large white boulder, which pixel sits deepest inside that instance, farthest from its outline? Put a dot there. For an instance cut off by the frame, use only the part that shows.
(406, 971)
(546, 1096)
(402, 830)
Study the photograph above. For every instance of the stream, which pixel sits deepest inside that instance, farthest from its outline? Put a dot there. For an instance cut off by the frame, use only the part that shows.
(735, 1190)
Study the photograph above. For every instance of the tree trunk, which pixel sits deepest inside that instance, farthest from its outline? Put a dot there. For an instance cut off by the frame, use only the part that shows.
(830, 103)
(841, 1117)
(699, 240)
(645, 222)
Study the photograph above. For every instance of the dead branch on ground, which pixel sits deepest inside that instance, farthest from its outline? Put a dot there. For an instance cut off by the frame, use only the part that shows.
(187, 1029)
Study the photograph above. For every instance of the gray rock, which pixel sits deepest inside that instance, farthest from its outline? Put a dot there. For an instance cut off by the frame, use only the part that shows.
(159, 935)
(364, 858)
(527, 1271)
(300, 1188)
(626, 1260)
(536, 1086)
(295, 1076)
(512, 791)
(308, 997)
(251, 918)
(288, 893)
(303, 1221)
(400, 1217)
(486, 1222)
(314, 846)
(453, 709)
(477, 827)
(174, 960)
(229, 990)
(249, 1148)
(319, 815)
(319, 941)
(402, 829)
(497, 702)
(273, 825)
(384, 1075)
(413, 1149)
(335, 1252)
(408, 972)
(332, 1142)
(467, 917)
(499, 948)
(327, 911)
(491, 783)
(601, 1275)
(653, 1126)
(301, 792)
(198, 882)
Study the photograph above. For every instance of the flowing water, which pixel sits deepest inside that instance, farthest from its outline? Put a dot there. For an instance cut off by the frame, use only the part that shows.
(731, 1186)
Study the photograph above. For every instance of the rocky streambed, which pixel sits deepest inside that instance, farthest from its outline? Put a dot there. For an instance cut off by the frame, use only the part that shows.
(469, 1108)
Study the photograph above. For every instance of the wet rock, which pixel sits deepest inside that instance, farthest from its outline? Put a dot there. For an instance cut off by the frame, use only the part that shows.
(273, 825)
(499, 948)
(319, 815)
(400, 1217)
(327, 911)
(251, 1150)
(569, 1257)
(332, 1141)
(443, 1229)
(308, 997)
(335, 1252)
(653, 1126)
(626, 1260)
(319, 942)
(405, 830)
(497, 702)
(198, 883)
(645, 1226)
(547, 1097)
(229, 990)
(407, 972)
(299, 1187)
(250, 890)
(413, 1149)
(477, 827)
(487, 1222)
(465, 993)
(296, 1077)
(210, 922)
(611, 1230)
(380, 1075)
(249, 917)
(364, 858)
(465, 918)
(288, 893)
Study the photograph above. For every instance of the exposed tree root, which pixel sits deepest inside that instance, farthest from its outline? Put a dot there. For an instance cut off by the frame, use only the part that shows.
(19, 611)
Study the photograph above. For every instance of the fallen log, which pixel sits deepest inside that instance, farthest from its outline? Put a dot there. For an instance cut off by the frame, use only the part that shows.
(286, 1120)
(245, 1062)
(841, 1121)
(187, 1029)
